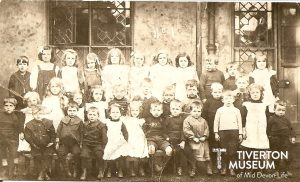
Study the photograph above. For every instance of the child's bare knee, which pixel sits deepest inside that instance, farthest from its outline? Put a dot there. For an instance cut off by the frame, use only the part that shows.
(151, 149)
(168, 151)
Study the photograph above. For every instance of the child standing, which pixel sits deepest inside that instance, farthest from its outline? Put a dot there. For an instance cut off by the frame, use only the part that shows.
(255, 120)
(184, 71)
(10, 130)
(69, 74)
(93, 142)
(191, 94)
(119, 97)
(266, 78)
(241, 94)
(78, 98)
(136, 139)
(174, 129)
(69, 137)
(147, 97)
(55, 101)
(40, 134)
(161, 74)
(97, 100)
(19, 82)
(117, 146)
(229, 83)
(115, 72)
(211, 75)
(196, 130)
(168, 96)
(138, 71)
(228, 130)
(43, 72)
(281, 135)
(210, 108)
(91, 73)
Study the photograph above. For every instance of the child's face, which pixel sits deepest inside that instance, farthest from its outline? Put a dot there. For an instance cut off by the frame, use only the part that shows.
(91, 64)
(78, 99)
(175, 109)
(55, 89)
(32, 101)
(232, 71)
(115, 113)
(280, 110)
(46, 55)
(210, 66)
(146, 88)
(92, 116)
(162, 59)
(119, 93)
(138, 60)
(168, 96)
(191, 92)
(70, 59)
(216, 93)
(115, 58)
(196, 112)
(156, 111)
(135, 111)
(72, 112)
(255, 94)
(261, 63)
(228, 100)
(37, 115)
(23, 67)
(9, 108)
(183, 62)
(242, 84)
(97, 95)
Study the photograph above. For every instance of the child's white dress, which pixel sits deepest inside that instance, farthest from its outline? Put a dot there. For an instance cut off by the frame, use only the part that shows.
(80, 113)
(256, 126)
(136, 77)
(53, 104)
(181, 77)
(116, 145)
(24, 146)
(101, 106)
(136, 138)
(70, 80)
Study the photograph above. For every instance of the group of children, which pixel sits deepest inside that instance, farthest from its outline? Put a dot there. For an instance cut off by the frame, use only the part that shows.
(122, 115)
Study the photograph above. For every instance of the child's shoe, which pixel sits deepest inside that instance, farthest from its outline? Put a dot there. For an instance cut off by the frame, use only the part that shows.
(289, 174)
(232, 173)
(83, 175)
(179, 171)
(223, 171)
(41, 176)
(75, 173)
(100, 174)
(193, 172)
(108, 174)
(120, 173)
(47, 177)
(209, 168)
(142, 171)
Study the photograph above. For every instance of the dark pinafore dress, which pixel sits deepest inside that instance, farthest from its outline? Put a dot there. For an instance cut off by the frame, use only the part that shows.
(44, 77)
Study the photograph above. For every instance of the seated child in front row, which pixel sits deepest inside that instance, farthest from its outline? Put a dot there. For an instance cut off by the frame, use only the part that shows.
(195, 128)
(69, 137)
(40, 134)
(155, 134)
(228, 130)
(93, 142)
(281, 135)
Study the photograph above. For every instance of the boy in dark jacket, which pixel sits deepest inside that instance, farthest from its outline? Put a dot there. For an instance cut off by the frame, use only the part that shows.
(69, 138)
(40, 134)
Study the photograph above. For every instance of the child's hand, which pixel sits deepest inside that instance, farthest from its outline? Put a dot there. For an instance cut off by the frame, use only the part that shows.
(168, 139)
(49, 144)
(217, 137)
(80, 146)
(293, 140)
(57, 146)
(204, 100)
(182, 144)
(244, 134)
(196, 140)
(202, 139)
(241, 138)
(21, 136)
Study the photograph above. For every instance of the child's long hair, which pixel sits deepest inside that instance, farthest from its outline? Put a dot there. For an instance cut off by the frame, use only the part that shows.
(30, 95)
(40, 54)
(92, 90)
(155, 59)
(256, 86)
(135, 103)
(133, 55)
(120, 54)
(183, 54)
(73, 52)
(63, 99)
(111, 106)
(93, 56)
(262, 56)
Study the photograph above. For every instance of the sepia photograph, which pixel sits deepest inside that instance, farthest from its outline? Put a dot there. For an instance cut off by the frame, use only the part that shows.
(149, 91)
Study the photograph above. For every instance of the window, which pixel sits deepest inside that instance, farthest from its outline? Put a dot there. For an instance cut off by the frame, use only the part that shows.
(90, 27)
(253, 33)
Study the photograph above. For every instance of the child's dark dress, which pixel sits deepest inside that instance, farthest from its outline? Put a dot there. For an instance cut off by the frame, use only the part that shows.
(44, 77)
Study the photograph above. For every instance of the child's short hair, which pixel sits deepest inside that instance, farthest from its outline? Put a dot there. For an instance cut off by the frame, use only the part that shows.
(228, 93)
(10, 100)
(29, 95)
(255, 86)
(93, 109)
(70, 51)
(169, 89)
(22, 59)
(57, 81)
(280, 103)
(92, 90)
(119, 87)
(216, 86)
(183, 54)
(120, 54)
(191, 83)
(244, 78)
(72, 104)
(156, 104)
(40, 54)
(212, 58)
(147, 81)
(231, 65)
(134, 54)
(176, 101)
(196, 104)
(259, 56)
(94, 57)
(155, 59)
(114, 105)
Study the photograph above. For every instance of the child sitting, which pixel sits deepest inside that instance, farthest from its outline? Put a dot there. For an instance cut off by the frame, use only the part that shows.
(97, 100)
(119, 97)
(281, 135)
(196, 130)
(93, 142)
(228, 130)
(40, 134)
(69, 137)
(156, 136)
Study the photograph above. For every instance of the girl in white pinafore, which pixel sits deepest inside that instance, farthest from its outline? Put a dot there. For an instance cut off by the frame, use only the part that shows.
(254, 112)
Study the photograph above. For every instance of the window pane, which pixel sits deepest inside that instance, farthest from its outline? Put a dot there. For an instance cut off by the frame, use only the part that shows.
(82, 26)
(288, 55)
